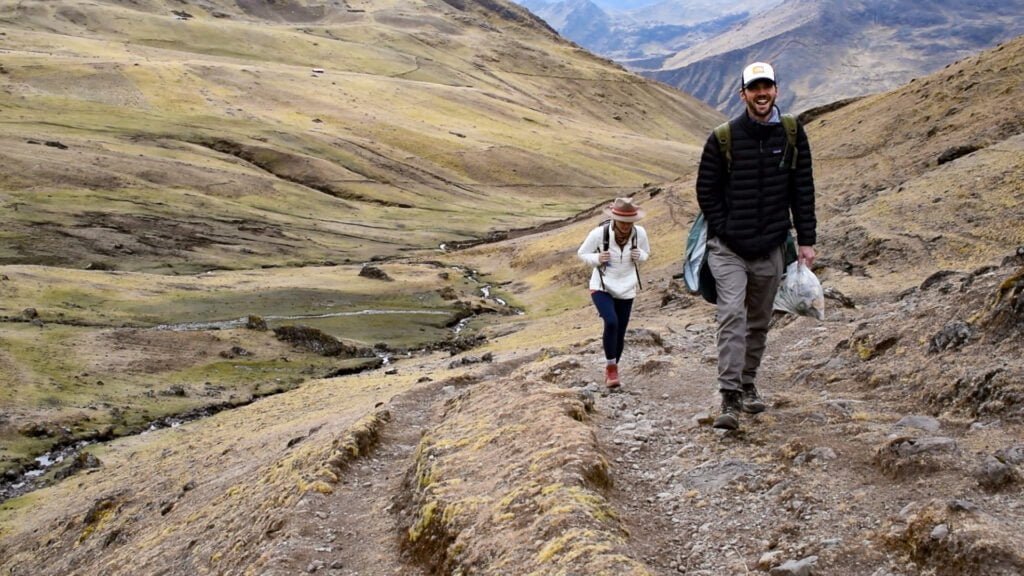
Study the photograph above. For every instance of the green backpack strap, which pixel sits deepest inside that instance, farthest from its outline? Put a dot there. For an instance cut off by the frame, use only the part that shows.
(724, 135)
(790, 124)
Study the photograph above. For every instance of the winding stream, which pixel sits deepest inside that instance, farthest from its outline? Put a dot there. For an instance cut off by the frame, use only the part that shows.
(241, 322)
(32, 479)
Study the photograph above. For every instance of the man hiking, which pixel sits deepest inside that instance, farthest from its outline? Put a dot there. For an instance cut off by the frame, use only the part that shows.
(753, 186)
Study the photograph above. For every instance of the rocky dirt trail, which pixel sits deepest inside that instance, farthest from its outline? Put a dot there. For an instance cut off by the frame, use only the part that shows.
(354, 531)
(703, 501)
(839, 476)
(850, 471)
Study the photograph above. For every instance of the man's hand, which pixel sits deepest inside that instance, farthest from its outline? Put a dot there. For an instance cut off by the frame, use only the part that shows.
(604, 257)
(635, 254)
(805, 255)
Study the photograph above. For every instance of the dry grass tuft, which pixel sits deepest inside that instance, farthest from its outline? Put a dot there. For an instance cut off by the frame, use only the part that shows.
(545, 486)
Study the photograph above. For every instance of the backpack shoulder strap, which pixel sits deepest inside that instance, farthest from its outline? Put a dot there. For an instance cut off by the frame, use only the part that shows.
(724, 134)
(606, 240)
(636, 267)
(790, 124)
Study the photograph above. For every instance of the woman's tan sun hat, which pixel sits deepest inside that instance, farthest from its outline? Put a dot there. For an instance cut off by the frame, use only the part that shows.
(623, 210)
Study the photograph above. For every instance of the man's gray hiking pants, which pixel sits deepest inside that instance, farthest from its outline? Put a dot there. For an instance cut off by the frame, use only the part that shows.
(746, 294)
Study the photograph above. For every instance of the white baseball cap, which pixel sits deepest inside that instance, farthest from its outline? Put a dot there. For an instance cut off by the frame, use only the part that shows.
(757, 71)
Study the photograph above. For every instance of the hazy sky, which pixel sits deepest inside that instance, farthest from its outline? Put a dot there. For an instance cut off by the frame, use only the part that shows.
(620, 5)
(623, 4)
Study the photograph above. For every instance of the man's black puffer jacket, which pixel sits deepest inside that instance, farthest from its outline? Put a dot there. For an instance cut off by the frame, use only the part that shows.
(749, 208)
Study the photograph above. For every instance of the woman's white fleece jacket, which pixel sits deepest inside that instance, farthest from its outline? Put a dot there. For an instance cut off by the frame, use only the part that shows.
(620, 274)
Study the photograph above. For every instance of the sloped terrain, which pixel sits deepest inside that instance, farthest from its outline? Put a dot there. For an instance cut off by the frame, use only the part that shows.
(224, 135)
(892, 446)
(926, 170)
(169, 166)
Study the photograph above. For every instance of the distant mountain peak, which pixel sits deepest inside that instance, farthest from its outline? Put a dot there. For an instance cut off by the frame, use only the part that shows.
(824, 50)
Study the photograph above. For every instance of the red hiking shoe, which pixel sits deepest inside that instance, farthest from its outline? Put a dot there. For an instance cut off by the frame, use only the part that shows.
(611, 376)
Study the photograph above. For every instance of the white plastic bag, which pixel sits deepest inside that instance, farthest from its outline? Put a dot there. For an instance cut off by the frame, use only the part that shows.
(801, 293)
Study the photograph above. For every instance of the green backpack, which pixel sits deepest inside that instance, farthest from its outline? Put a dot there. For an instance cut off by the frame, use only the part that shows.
(696, 272)
(724, 134)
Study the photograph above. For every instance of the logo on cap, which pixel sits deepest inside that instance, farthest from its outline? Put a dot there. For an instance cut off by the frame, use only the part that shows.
(757, 71)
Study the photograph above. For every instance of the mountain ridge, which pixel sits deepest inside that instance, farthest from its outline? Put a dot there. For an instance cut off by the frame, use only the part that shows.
(823, 50)
(826, 51)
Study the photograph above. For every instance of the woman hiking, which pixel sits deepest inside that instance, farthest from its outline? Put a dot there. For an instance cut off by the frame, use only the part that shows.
(613, 249)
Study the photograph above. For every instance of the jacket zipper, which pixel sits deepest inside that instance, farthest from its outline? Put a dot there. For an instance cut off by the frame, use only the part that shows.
(760, 184)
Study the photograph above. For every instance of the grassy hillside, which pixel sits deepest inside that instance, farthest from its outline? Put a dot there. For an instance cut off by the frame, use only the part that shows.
(923, 178)
(928, 176)
(177, 139)
(152, 139)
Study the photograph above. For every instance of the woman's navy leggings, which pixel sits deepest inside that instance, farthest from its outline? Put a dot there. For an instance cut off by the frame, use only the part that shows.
(615, 313)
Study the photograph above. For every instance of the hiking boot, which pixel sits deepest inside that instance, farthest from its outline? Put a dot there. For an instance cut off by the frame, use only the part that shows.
(611, 376)
(732, 404)
(751, 401)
